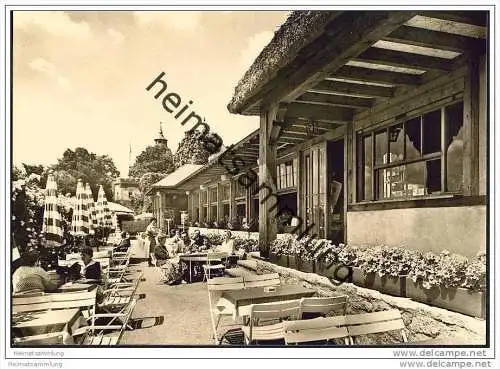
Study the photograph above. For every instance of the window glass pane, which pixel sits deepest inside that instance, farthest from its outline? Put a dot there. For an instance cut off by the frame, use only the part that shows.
(454, 150)
(403, 181)
(368, 166)
(396, 143)
(433, 168)
(295, 163)
(381, 147)
(413, 138)
(289, 174)
(415, 179)
(278, 177)
(321, 169)
(432, 132)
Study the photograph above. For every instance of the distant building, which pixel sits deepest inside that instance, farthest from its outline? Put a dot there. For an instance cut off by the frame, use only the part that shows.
(124, 190)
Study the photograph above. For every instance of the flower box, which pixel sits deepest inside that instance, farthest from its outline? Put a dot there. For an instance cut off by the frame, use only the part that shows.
(281, 260)
(460, 300)
(395, 286)
(340, 273)
(293, 262)
(306, 266)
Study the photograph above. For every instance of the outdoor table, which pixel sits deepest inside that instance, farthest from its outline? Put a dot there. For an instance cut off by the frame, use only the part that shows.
(242, 299)
(76, 286)
(48, 321)
(199, 257)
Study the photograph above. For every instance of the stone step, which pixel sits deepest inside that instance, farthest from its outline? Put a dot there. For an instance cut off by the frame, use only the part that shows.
(239, 272)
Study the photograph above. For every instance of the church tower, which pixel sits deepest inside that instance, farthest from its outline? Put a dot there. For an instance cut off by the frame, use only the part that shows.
(160, 139)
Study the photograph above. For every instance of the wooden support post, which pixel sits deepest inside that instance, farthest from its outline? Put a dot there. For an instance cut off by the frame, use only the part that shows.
(232, 206)
(199, 207)
(471, 129)
(267, 181)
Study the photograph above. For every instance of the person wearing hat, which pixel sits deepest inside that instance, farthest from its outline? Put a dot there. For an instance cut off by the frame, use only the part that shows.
(30, 277)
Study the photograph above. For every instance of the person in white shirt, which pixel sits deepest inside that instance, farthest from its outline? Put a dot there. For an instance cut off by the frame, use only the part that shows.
(227, 245)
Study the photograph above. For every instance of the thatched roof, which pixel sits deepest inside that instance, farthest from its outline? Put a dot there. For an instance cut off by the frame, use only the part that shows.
(300, 29)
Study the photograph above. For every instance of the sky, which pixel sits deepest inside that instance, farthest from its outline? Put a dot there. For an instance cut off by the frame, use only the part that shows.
(80, 78)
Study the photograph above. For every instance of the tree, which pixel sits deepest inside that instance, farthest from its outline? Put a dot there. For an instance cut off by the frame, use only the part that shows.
(193, 148)
(145, 184)
(89, 167)
(154, 159)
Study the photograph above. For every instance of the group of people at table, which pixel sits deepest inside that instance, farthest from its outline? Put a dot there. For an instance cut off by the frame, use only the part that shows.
(169, 250)
(30, 278)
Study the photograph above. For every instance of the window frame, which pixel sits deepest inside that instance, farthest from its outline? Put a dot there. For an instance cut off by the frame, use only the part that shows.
(441, 155)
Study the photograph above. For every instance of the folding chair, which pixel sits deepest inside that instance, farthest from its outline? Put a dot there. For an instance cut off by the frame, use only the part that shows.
(47, 339)
(378, 322)
(96, 335)
(209, 268)
(312, 307)
(119, 296)
(314, 330)
(263, 280)
(270, 312)
(220, 307)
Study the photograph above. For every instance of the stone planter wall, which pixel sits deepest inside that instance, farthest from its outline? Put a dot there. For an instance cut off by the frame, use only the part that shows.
(422, 321)
(239, 234)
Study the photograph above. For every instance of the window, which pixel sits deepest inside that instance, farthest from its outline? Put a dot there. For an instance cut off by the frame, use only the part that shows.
(203, 195)
(286, 174)
(213, 194)
(224, 192)
(408, 159)
(239, 190)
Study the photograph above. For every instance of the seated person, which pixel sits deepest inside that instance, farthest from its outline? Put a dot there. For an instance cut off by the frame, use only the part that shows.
(160, 250)
(124, 244)
(91, 268)
(227, 245)
(30, 277)
(199, 242)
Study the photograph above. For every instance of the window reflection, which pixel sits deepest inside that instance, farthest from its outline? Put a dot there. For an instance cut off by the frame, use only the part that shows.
(381, 147)
(396, 143)
(413, 138)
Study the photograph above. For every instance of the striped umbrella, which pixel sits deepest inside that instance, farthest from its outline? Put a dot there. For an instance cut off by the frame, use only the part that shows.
(80, 219)
(92, 208)
(52, 227)
(103, 212)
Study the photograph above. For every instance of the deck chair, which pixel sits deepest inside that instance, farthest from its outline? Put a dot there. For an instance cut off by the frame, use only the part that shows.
(217, 269)
(313, 307)
(270, 313)
(119, 296)
(314, 330)
(378, 322)
(110, 333)
(263, 280)
(220, 307)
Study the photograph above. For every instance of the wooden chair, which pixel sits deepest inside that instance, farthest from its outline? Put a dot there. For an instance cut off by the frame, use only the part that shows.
(220, 307)
(314, 330)
(321, 306)
(263, 280)
(47, 339)
(218, 268)
(269, 312)
(378, 322)
(82, 300)
(119, 296)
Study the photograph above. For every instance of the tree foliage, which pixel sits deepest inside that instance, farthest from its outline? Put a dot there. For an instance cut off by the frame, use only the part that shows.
(154, 159)
(90, 167)
(145, 184)
(193, 148)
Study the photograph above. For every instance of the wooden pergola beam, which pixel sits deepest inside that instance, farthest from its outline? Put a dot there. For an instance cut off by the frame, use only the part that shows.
(336, 100)
(320, 112)
(377, 76)
(474, 17)
(354, 89)
(404, 59)
(437, 40)
(343, 45)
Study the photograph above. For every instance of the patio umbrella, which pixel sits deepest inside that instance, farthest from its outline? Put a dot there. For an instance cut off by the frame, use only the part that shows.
(80, 219)
(52, 227)
(91, 208)
(103, 212)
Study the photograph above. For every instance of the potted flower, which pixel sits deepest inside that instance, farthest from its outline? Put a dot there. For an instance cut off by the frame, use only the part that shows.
(279, 251)
(385, 269)
(449, 281)
(305, 261)
(348, 269)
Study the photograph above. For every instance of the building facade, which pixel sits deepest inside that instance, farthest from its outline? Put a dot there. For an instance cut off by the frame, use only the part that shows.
(388, 128)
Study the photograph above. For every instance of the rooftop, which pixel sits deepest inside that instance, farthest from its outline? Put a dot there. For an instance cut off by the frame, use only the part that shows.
(173, 179)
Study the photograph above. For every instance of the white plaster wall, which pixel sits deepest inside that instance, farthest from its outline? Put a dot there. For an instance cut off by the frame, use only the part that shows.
(458, 229)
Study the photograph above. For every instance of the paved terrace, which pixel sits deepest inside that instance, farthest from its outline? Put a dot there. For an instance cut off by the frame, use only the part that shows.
(186, 319)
